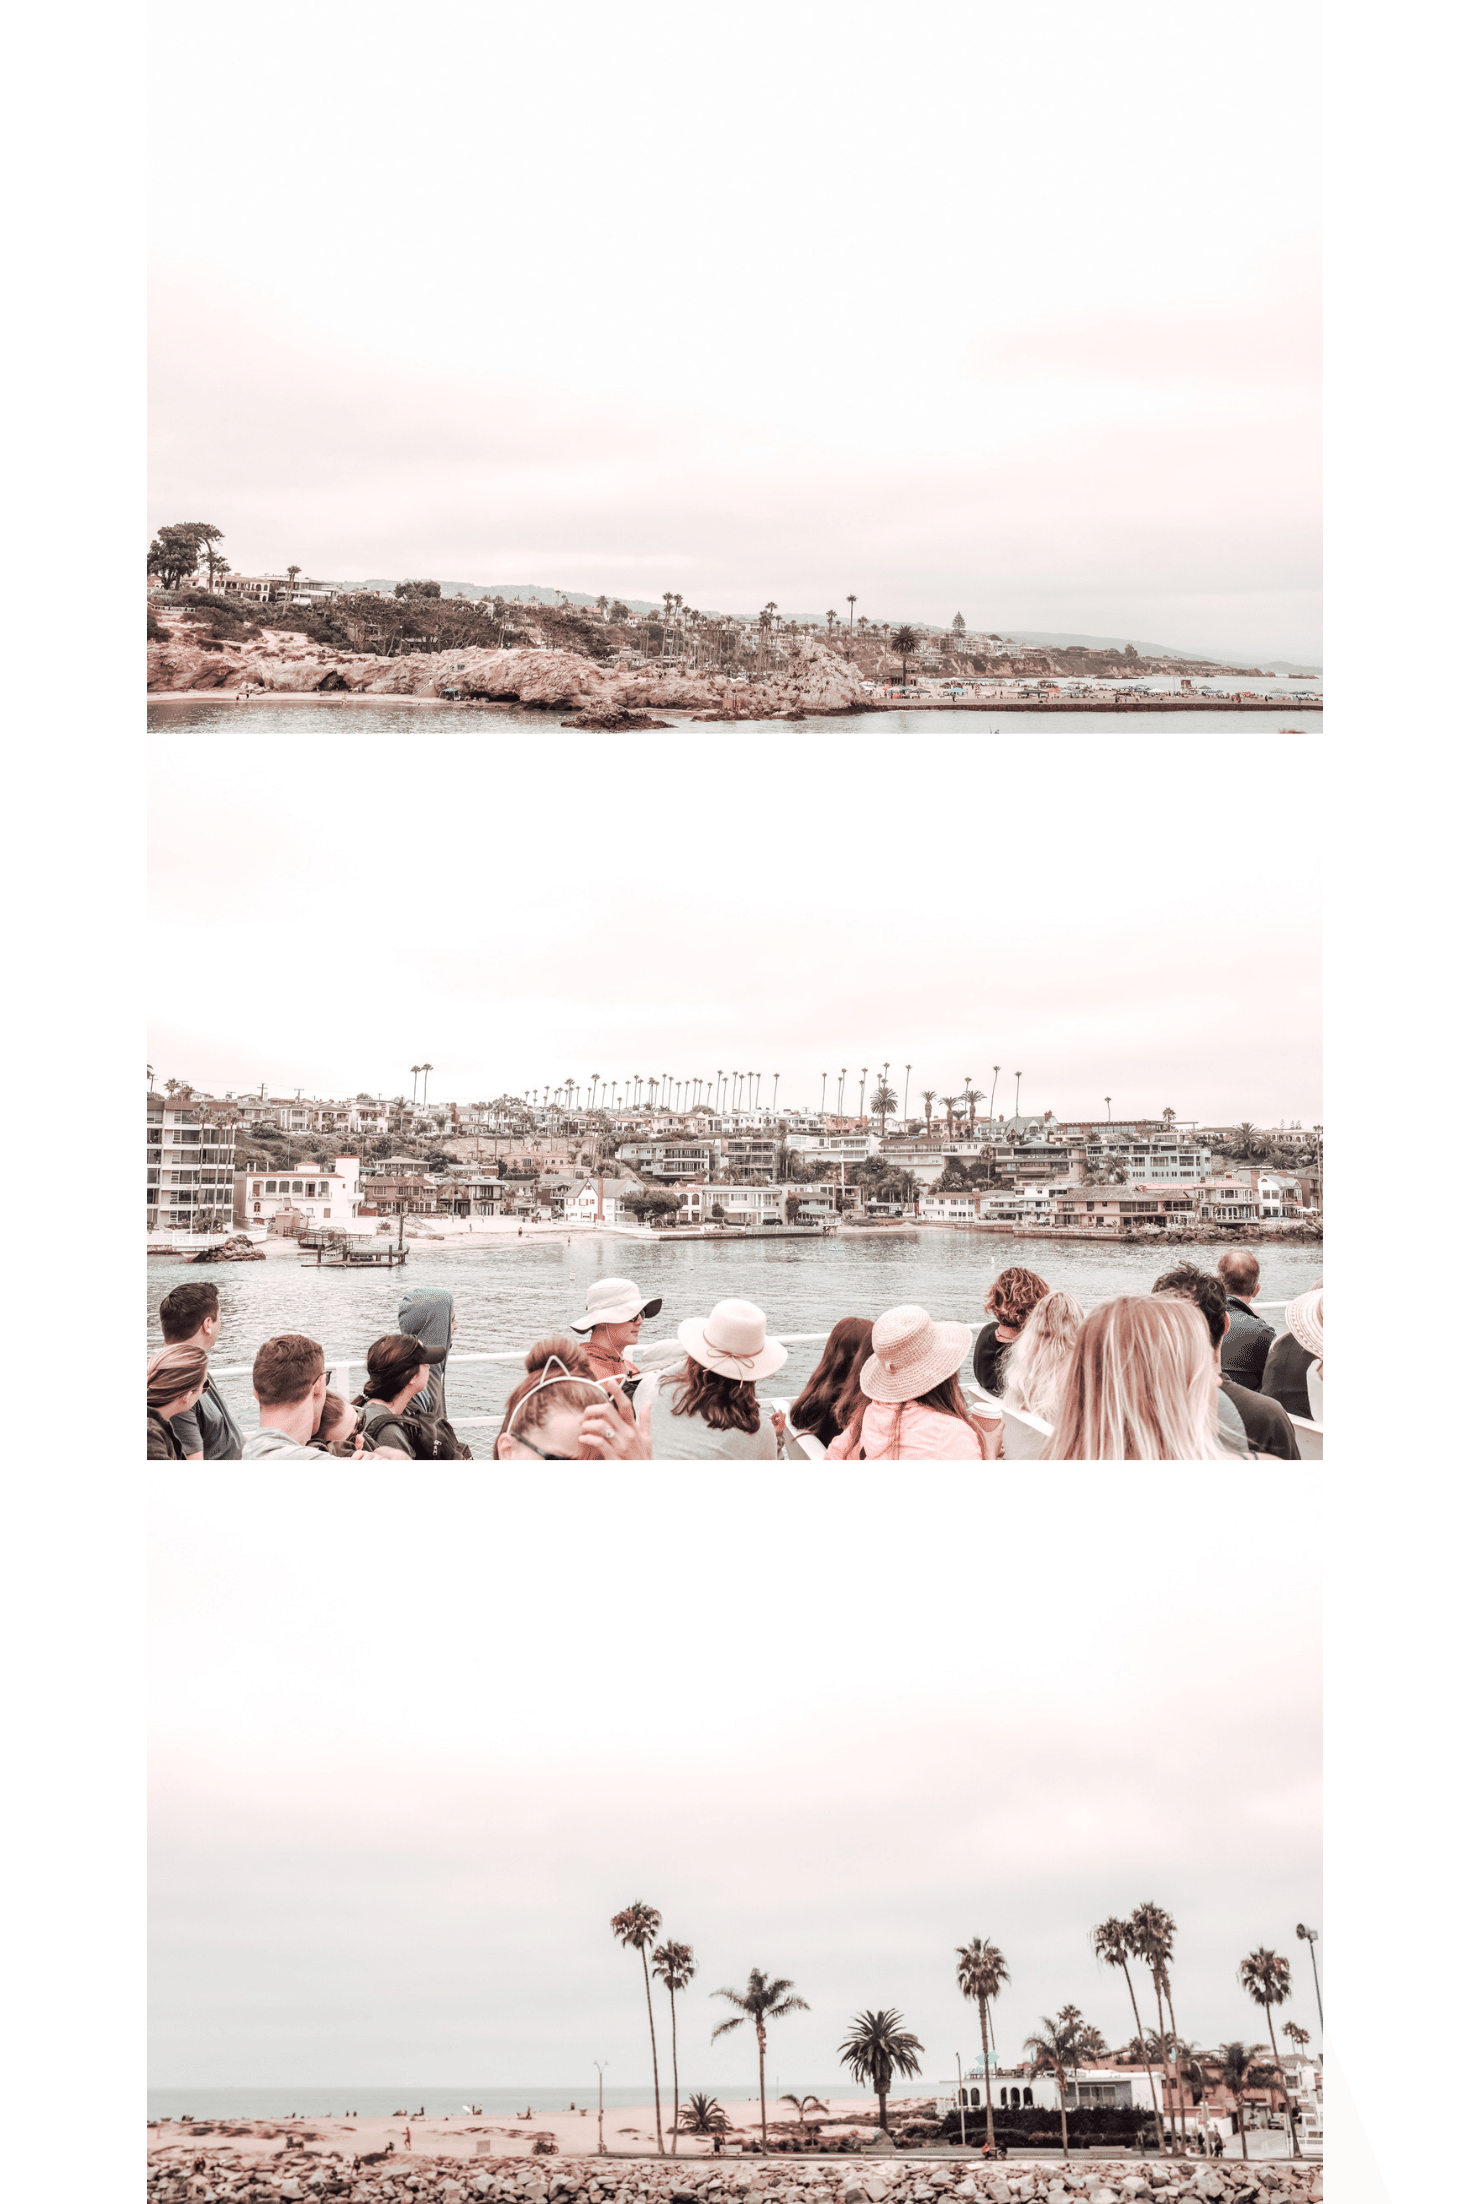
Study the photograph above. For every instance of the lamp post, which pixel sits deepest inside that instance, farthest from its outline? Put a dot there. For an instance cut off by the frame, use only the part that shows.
(959, 2069)
(906, 1070)
(601, 2146)
(1309, 1938)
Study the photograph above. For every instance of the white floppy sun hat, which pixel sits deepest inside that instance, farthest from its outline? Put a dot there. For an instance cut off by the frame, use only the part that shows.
(912, 1354)
(614, 1301)
(732, 1341)
(1304, 1321)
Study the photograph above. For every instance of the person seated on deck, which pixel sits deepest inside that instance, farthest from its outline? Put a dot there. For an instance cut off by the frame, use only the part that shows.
(289, 1379)
(176, 1378)
(190, 1318)
(614, 1317)
(915, 1411)
(707, 1410)
(560, 1413)
(1036, 1368)
(1009, 1301)
(1264, 1425)
(1293, 1372)
(1248, 1341)
(1141, 1386)
(832, 1396)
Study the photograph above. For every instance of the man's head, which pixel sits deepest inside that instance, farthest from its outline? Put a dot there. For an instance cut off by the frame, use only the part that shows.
(1189, 1283)
(1241, 1272)
(190, 1310)
(289, 1370)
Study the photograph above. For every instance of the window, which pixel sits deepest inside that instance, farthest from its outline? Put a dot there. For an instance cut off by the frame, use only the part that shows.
(1026, 2097)
(257, 1186)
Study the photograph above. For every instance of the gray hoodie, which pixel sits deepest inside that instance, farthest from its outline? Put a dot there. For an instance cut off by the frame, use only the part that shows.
(265, 1441)
(426, 1313)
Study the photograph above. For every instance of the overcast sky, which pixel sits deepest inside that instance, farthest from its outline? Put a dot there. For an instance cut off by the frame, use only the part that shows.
(1007, 312)
(415, 1745)
(1129, 911)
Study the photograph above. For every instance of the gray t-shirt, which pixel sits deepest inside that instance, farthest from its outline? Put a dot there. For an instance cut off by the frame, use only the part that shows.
(690, 1438)
(274, 1444)
(209, 1429)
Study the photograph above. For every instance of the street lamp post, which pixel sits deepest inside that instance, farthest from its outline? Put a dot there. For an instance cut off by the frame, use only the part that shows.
(959, 2069)
(1309, 1938)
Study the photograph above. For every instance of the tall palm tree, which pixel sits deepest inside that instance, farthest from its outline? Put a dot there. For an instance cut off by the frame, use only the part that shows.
(884, 1100)
(878, 2046)
(1300, 2037)
(928, 1101)
(415, 1069)
(1052, 2048)
(1152, 1932)
(635, 1928)
(761, 2001)
(905, 641)
(1240, 2072)
(951, 1101)
(426, 1069)
(970, 1098)
(674, 1966)
(981, 1971)
(1111, 1942)
(1266, 1977)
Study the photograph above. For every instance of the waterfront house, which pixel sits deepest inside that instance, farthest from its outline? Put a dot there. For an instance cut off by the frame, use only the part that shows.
(333, 1198)
(946, 1208)
(1114, 1208)
(604, 1200)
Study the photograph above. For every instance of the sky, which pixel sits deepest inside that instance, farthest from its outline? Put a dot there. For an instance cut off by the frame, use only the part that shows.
(1114, 912)
(1014, 313)
(411, 1752)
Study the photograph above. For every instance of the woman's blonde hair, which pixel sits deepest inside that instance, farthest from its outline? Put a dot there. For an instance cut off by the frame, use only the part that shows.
(1035, 1367)
(1141, 1386)
(174, 1371)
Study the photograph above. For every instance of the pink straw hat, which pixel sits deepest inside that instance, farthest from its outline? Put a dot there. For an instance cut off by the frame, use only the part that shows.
(1304, 1321)
(732, 1341)
(912, 1354)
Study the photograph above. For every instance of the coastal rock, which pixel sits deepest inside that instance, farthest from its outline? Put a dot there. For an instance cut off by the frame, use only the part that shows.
(611, 719)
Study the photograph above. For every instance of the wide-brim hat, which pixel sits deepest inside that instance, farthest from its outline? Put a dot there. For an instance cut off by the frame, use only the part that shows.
(732, 1341)
(1304, 1321)
(614, 1301)
(912, 1354)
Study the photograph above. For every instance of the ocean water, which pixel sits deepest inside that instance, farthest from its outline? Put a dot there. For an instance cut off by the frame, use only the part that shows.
(324, 2100)
(510, 1292)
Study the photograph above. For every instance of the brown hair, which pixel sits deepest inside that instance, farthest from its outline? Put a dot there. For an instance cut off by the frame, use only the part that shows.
(724, 1403)
(183, 1311)
(550, 1395)
(1240, 1271)
(285, 1370)
(391, 1362)
(832, 1395)
(1014, 1295)
(1207, 1293)
(334, 1408)
(174, 1371)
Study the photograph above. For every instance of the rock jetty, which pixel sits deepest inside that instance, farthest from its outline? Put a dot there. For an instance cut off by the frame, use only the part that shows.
(814, 681)
(300, 2175)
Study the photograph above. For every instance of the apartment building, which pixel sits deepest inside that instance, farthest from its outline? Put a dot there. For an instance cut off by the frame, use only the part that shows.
(191, 1165)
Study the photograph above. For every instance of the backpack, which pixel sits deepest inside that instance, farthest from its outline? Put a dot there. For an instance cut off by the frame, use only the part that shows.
(426, 1438)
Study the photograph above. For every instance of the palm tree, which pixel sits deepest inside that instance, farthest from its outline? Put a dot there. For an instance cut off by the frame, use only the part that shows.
(905, 640)
(703, 2115)
(950, 1101)
(831, 620)
(1301, 2037)
(981, 1971)
(426, 1069)
(674, 1966)
(878, 2046)
(971, 1098)
(1152, 1932)
(1266, 1977)
(1052, 2049)
(801, 2104)
(761, 2001)
(1111, 1942)
(884, 1100)
(636, 1927)
(1090, 2044)
(1239, 2072)
(928, 1101)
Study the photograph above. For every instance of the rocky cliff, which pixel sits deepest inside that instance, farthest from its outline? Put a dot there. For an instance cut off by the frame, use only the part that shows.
(815, 680)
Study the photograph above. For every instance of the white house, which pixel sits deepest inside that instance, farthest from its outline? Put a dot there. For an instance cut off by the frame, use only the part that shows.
(1021, 1205)
(602, 1201)
(947, 1208)
(323, 1197)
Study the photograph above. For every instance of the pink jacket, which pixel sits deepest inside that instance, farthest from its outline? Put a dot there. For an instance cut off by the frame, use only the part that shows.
(902, 1431)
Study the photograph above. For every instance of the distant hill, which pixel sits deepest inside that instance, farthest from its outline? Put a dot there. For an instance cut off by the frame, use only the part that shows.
(528, 592)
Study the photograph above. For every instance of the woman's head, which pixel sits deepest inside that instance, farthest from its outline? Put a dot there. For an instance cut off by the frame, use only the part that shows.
(176, 1378)
(396, 1365)
(1014, 1295)
(1140, 1386)
(338, 1420)
(832, 1390)
(724, 1403)
(543, 1416)
(1035, 1366)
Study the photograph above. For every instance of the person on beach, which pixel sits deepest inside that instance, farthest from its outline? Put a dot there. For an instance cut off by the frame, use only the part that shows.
(560, 1413)
(1248, 1341)
(190, 1318)
(708, 1411)
(613, 1318)
(176, 1378)
(1036, 1367)
(1141, 1386)
(1287, 1376)
(399, 1370)
(1009, 1301)
(915, 1411)
(1248, 1422)
(832, 1396)
(289, 1379)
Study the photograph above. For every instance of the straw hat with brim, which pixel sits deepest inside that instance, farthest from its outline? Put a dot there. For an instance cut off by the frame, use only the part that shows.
(614, 1301)
(1304, 1321)
(912, 1354)
(732, 1341)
